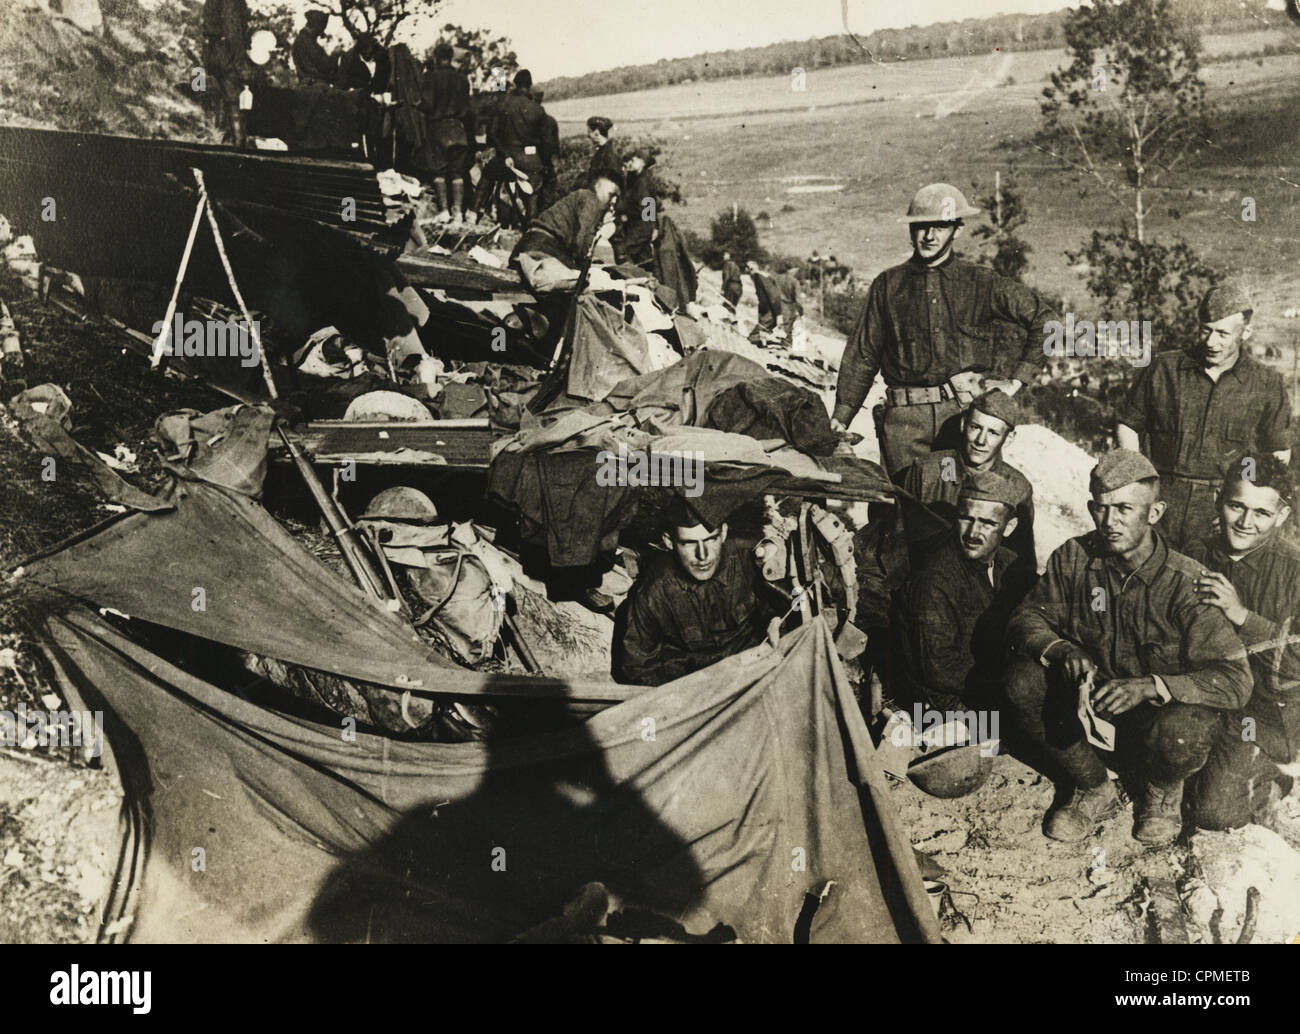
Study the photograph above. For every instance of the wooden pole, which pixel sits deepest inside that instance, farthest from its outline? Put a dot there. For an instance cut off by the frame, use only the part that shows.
(234, 287)
(160, 345)
(997, 200)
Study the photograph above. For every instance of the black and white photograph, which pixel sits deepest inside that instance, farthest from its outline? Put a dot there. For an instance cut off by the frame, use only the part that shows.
(610, 472)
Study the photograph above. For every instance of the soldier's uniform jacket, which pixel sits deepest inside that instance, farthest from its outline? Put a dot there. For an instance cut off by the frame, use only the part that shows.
(952, 620)
(313, 63)
(1146, 623)
(677, 625)
(1194, 426)
(1268, 583)
(923, 324)
(565, 230)
(520, 124)
(730, 273)
(924, 479)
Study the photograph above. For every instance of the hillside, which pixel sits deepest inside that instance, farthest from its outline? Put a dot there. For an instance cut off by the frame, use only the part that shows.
(969, 36)
(58, 76)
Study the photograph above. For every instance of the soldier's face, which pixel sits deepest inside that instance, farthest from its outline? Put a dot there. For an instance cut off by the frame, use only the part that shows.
(933, 241)
(596, 136)
(699, 551)
(981, 526)
(1221, 341)
(1125, 516)
(982, 436)
(606, 190)
(1250, 514)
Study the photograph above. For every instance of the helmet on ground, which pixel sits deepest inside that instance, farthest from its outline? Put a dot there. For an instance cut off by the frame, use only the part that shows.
(951, 771)
(939, 203)
(401, 503)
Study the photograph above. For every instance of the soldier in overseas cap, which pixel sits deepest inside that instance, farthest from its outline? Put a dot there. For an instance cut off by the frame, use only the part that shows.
(1191, 411)
(951, 614)
(926, 329)
(1118, 609)
(936, 478)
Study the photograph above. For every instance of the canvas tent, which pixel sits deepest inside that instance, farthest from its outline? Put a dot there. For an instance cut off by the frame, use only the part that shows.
(722, 804)
(756, 788)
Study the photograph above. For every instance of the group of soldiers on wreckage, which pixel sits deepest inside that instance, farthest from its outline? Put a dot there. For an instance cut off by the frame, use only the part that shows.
(1171, 621)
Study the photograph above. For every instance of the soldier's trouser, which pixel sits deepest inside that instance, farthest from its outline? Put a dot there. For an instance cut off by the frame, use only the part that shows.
(1234, 785)
(732, 291)
(1189, 513)
(1170, 743)
(910, 432)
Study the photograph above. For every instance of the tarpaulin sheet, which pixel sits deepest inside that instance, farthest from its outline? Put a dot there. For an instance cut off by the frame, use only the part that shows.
(219, 567)
(723, 798)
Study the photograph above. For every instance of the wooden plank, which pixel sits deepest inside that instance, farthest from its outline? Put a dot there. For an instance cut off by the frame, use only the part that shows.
(449, 272)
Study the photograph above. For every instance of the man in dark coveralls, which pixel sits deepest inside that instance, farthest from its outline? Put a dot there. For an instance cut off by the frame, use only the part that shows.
(1196, 410)
(690, 609)
(926, 329)
(952, 612)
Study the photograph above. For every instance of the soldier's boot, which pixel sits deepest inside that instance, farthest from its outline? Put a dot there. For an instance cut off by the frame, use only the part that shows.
(457, 201)
(440, 195)
(1077, 819)
(1159, 815)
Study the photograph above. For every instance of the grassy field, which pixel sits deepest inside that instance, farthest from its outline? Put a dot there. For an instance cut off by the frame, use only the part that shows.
(863, 138)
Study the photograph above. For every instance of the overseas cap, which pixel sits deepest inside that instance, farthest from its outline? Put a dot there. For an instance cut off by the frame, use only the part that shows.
(1118, 468)
(987, 484)
(997, 403)
(938, 203)
(1223, 300)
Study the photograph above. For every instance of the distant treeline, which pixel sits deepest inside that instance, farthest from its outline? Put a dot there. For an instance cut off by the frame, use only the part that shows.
(944, 39)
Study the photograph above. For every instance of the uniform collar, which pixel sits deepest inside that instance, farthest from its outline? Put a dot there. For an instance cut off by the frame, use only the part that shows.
(1257, 557)
(1187, 361)
(945, 267)
(1151, 567)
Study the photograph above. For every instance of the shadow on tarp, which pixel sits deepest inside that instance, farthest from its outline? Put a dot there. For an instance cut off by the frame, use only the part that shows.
(737, 802)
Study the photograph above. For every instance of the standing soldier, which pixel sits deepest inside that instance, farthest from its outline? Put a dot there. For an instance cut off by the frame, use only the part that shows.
(519, 134)
(927, 330)
(732, 286)
(446, 108)
(606, 157)
(1197, 411)
(312, 62)
(225, 60)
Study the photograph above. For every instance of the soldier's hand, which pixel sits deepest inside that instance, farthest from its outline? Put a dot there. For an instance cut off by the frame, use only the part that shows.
(1120, 695)
(837, 427)
(1010, 387)
(1074, 663)
(1216, 590)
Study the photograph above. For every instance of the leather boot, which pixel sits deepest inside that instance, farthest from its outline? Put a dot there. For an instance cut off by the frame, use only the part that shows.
(1160, 815)
(1079, 817)
(457, 201)
(440, 194)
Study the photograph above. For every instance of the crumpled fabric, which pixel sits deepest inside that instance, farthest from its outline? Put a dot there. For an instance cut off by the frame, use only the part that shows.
(226, 447)
(44, 413)
(775, 408)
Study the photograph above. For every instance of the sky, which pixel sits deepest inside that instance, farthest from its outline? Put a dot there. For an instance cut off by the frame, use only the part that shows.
(570, 37)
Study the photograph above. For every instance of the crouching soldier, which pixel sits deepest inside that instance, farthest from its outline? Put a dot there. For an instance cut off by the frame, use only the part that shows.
(1253, 576)
(1119, 606)
(692, 608)
(952, 612)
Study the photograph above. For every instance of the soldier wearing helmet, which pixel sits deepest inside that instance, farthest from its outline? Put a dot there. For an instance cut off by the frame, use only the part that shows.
(927, 329)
